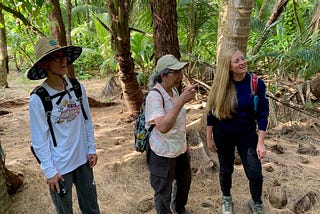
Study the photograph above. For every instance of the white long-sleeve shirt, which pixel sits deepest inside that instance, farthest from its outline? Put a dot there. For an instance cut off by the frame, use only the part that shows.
(74, 134)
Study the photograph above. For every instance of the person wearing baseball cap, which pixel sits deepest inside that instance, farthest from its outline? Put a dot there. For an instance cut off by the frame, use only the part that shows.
(168, 156)
(63, 138)
(164, 65)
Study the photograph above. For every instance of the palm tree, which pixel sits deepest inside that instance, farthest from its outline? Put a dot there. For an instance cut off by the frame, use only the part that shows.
(5, 207)
(223, 8)
(237, 25)
(57, 28)
(4, 60)
(68, 21)
(165, 35)
(119, 15)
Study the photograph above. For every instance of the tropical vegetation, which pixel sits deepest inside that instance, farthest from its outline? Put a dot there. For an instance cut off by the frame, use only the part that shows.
(289, 44)
(125, 38)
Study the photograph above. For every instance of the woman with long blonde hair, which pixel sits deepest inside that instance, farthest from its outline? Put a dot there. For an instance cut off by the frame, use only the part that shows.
(235, 112)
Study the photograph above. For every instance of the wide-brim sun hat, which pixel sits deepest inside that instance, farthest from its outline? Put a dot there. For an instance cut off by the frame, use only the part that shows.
(46, 46)
(170, 62)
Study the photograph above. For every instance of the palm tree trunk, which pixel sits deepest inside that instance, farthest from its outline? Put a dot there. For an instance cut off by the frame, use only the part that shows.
(223, 8)
(119, 14)
(58, 29)
(5, 207)
(4, 60)
(68, 31)
(56, 24)
(165, 30)
(237, 25)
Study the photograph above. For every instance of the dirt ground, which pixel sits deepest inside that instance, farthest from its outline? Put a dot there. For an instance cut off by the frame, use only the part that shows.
(121, 174)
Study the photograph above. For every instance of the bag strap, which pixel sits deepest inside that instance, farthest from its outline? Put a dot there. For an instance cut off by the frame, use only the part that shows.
(254, 90)
(47, 104)
(157, 90)
(77, 90)
(254, 83)
(46, 100)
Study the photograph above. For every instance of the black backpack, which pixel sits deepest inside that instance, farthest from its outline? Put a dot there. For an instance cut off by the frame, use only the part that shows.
(47, 104)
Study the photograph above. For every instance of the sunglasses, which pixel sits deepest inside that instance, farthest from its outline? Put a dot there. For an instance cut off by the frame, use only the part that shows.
(57, 58)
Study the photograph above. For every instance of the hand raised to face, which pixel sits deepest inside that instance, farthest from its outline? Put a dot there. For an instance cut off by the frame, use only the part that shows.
(189, 92)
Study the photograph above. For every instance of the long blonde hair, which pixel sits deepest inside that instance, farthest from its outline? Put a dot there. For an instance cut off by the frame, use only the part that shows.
(222, 98)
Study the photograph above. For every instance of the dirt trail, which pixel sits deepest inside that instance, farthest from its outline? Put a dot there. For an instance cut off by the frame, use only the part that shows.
(121, 175)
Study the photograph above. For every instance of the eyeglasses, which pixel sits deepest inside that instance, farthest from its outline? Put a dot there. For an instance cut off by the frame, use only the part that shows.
(58, 57)
(175, 72)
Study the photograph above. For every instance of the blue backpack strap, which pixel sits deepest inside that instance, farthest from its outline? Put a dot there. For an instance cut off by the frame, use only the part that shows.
(77, 90)
(47, 104)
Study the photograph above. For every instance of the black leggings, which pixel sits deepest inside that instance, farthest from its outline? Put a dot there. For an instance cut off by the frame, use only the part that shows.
(246, 144)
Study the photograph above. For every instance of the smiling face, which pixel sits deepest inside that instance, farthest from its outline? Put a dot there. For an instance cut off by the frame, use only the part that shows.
(238, 64)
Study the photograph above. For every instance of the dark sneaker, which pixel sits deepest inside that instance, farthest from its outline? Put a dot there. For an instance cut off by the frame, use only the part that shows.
(184, 212)
(226, 205)
(256, 208)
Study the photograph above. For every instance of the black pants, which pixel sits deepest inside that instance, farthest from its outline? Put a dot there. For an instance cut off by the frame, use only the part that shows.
(246, 144)
(163, 171)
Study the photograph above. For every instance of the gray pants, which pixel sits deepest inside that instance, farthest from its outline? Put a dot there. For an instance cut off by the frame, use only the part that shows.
(82, 177)
(163, 171)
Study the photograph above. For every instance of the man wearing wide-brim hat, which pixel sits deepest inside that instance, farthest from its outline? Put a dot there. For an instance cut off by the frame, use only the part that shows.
(62, 138)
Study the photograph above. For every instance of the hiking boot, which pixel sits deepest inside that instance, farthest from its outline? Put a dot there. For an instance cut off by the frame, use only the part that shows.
(256, 208)
(226, 205)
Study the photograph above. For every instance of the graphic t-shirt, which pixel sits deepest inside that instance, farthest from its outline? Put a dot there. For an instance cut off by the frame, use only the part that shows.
(74, 134)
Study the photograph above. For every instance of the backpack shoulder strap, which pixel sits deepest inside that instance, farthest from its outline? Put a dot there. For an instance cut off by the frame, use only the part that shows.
(157, 90)
(44, 96)
(76, 86)
(47, 104)
(77, 90)
(254, 90)
(254, 83)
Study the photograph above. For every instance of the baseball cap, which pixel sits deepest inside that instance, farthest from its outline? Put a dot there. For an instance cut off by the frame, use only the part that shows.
(169, 61)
